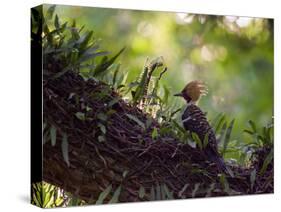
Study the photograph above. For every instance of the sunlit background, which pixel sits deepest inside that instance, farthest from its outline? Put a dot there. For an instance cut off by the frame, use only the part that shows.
(233, 55)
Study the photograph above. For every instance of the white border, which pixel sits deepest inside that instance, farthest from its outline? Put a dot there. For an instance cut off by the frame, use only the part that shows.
(15, 98)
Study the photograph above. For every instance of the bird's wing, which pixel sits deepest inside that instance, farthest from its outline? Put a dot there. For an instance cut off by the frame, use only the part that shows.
(194, 120)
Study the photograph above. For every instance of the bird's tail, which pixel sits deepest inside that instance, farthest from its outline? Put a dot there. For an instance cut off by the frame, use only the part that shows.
(222, 167)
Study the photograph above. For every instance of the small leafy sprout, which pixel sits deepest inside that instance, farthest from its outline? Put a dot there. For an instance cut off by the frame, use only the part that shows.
(140, 95)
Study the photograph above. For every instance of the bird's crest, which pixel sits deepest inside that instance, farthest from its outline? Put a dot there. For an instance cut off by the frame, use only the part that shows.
(194, 90)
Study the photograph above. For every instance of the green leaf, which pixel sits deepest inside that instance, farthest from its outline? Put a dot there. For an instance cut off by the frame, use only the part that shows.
(249, 132)
(46, 32)
(73, 23)
(122, 80)
(253, 126)
(115, 74)
(102, 128)
(206, 139)
(47, 199)
(180, 128)
(50, 12)
(133, 84)
(194, 191)
(219, 124)
(90, 56)
(103, 195)
(36, 199)
(53, 133)
(135, 119)
(102, 116)
(64, 147)
(196, 138)
(74, 34)
(101, 138)
(224, 183)
(81, 29)
(125, 173)
(163, 193)
(74, 56)
(63, 27)
(222, 133)
(152, 194)
(39, 197)
(227, 135)
(74, 201)
(85, 41)
(80, 116)
(262, 139)
(148, 122)
(116, 195)
(105, 63)
(154, 134)
(62, 72)
(141, 192)
(158, 192)
(266, 135)
(253, 178)
(57, 23)
(166, 94)
(183, 190)
(214, 122)
(139, 92)
(92, 49)
(266, 162)
(113, 102)
(168, 193)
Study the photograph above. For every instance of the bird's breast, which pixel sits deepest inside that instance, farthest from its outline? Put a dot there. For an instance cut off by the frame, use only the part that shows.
(194, 119)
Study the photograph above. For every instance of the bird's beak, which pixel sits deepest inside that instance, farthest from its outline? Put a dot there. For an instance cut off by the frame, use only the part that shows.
(178, 94)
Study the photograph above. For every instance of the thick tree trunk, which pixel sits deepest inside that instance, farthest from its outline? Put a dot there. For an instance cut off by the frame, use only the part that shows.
(106, 147)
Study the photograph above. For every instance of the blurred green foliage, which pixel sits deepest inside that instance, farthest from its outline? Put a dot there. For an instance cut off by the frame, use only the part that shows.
(233, 55)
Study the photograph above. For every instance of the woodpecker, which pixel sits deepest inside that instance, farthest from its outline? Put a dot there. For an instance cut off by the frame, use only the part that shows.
(194, 120)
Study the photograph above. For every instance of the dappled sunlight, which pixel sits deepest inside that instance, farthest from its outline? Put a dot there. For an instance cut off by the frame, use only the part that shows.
(145, 28)
(211, 52)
